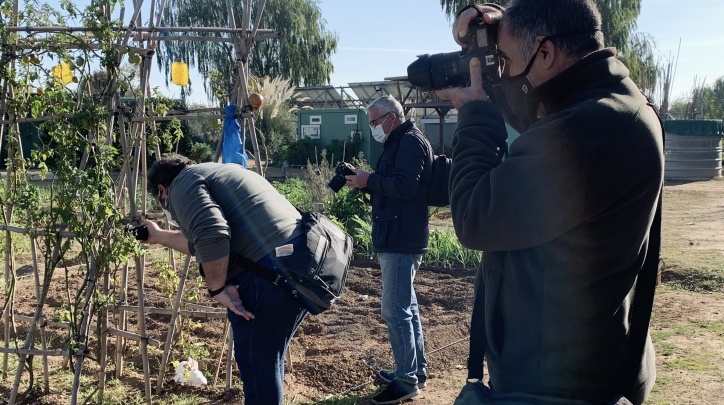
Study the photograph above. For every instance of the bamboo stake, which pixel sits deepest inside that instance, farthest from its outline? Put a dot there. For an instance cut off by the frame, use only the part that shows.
(242, 53)
(44, 321)
(85, 322)
(32, 352)
(167, 311)
(229, 358)
(122, 322)
(185, 304)
(221, 354)
(9, 265)
(171, 327)
(189, 117)
(103, 340)
(63, 30)
(44, 345)
(140, 261)
(130, 185)
(36, 273)
(48, 276)
(133, 336)
(11, 277)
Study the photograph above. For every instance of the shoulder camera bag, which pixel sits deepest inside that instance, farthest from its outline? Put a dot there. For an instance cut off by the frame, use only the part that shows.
(316, 271)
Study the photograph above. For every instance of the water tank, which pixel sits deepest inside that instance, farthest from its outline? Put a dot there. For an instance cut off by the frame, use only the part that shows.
(693, 149)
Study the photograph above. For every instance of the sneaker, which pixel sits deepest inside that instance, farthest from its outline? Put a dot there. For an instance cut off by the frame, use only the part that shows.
(387, 376)
(421, 381)
(396, 392)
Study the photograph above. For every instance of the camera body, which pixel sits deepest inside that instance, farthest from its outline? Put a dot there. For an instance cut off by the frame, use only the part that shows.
(452, 69)
(139, 232)
(338, 181)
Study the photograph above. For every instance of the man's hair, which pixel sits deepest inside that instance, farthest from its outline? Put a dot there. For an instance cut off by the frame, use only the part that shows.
(574, 25)
(387, 104)
(165, 170)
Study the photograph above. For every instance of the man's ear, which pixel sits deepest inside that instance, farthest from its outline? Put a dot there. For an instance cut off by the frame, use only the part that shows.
(548, 55)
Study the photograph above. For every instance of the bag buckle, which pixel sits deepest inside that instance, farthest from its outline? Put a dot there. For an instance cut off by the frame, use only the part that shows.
(277, 280)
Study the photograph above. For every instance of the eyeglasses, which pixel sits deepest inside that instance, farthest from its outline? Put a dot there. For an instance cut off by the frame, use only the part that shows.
(373, 123)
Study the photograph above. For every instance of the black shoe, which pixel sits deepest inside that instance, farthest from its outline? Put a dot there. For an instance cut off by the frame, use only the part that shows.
(387, 376)
(421, 381)
(396, 392)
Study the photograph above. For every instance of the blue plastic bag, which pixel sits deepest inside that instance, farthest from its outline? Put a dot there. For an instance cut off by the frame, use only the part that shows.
(233, 148)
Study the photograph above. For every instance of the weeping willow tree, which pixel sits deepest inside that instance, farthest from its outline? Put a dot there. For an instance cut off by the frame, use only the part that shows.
(636, 50)
(302, 55)
(619, 17)
(643, 65)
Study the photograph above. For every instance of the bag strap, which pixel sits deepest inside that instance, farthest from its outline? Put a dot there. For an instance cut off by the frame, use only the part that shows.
(256, 268)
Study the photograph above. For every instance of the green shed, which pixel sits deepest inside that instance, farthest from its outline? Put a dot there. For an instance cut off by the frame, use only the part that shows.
(345, 125)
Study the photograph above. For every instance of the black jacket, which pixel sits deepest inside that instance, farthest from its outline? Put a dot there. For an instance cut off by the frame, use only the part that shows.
(399, 192)
(564, 225)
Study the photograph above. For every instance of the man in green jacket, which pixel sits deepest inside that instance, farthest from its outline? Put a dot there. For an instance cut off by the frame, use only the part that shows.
(564, 219)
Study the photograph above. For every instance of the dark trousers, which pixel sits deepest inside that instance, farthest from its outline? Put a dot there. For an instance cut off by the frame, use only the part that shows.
(260, 344)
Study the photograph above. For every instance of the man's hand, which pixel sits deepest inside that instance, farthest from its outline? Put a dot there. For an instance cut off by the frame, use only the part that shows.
(460, 96)
(358, 180)
(230, 299)
(155, 233)
(491, 15)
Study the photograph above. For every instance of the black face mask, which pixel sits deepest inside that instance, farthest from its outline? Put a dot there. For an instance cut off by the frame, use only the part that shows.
(518, 105)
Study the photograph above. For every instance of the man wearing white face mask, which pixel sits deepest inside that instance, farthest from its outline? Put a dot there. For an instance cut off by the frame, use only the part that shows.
(398, 188)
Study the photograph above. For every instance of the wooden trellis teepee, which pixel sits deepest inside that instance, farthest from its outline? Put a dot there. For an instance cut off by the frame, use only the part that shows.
(141, 40)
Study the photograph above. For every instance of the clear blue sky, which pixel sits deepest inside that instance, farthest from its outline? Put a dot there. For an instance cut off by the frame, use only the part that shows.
(379, 38)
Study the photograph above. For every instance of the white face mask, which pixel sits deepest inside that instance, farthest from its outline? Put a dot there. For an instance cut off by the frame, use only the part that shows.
(378, 132)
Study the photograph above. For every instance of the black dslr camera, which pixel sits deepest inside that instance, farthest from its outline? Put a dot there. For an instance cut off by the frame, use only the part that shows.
(452, 69)
(338, 181)
(139, 232)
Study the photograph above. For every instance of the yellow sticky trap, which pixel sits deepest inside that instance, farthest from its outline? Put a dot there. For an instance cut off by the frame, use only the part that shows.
(63, 73)
(180, 73)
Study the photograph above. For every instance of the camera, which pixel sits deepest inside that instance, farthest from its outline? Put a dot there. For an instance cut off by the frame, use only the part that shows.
(452, 69)
(338, 181)
(139, 232)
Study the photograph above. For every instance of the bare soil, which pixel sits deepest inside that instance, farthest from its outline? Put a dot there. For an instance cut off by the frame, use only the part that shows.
(333, 355)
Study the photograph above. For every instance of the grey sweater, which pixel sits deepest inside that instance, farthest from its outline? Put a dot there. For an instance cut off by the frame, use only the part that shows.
(564, 224)
(223, 208)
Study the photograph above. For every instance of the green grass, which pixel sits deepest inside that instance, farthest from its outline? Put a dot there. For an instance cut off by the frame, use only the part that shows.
(675, 358)
(695, 280)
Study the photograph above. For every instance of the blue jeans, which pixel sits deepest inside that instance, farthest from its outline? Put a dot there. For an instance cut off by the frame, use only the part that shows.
(400, 312)
(260, 344)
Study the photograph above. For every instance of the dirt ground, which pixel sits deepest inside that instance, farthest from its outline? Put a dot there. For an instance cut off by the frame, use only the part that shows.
(333, 354)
